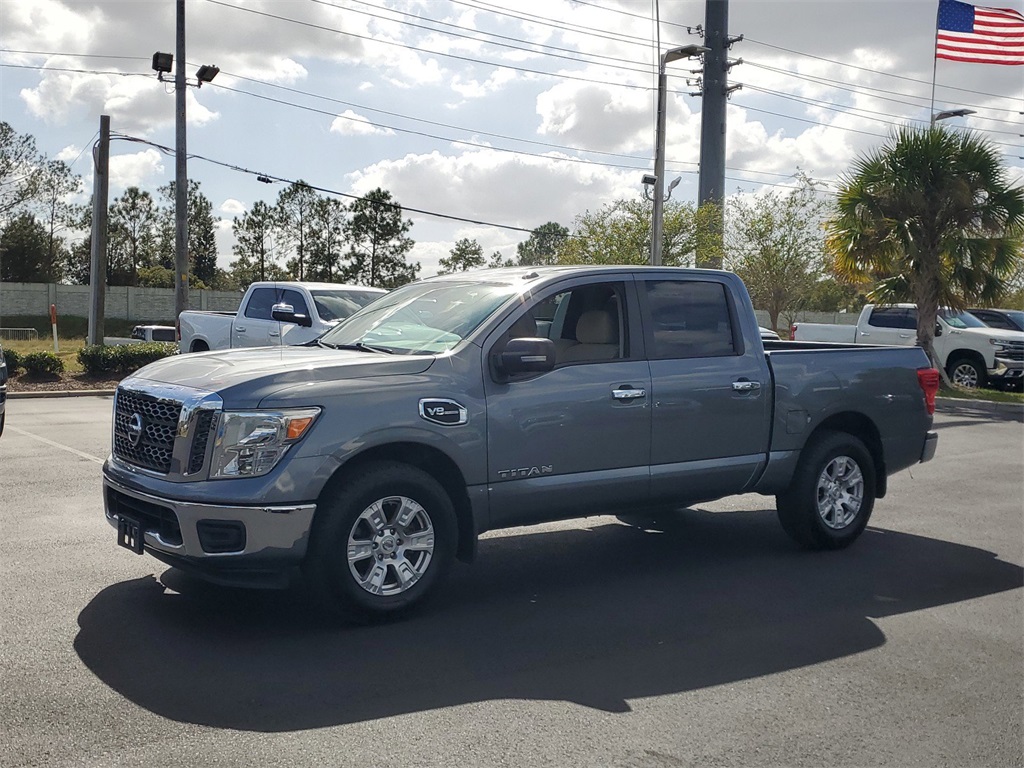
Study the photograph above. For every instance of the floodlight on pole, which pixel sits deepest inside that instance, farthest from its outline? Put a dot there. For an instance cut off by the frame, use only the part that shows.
(674, 54)
(163, 63)
(951, 113)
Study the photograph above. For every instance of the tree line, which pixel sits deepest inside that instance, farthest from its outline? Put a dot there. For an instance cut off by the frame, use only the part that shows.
(930, 217)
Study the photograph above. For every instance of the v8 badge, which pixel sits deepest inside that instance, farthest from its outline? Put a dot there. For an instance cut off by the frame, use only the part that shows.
(447, 413)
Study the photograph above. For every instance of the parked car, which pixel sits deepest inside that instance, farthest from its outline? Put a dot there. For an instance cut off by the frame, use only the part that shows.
(142, 334)
(3, 389)
(767, 334)
(369, 459)
(147, 333)
(971, 352)
(272, 314)
(1004, 319)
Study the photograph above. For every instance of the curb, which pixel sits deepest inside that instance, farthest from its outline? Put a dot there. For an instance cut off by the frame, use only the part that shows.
(991, 407)
(61, 393)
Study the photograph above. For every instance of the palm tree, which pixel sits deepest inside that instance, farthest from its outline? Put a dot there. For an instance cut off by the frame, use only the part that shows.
(930, 218)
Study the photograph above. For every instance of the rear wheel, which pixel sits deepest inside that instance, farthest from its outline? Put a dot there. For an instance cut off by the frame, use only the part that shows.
(829, 502)
(382, 543)
(966, 372)
(200, 346)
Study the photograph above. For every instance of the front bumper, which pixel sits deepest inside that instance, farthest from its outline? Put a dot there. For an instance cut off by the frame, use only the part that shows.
(1007, 369)
(225, 543)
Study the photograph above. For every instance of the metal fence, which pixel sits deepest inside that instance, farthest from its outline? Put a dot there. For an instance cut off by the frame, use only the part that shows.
(19, 334)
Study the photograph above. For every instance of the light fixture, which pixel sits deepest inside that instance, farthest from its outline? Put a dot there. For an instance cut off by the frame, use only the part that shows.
(162, 62)
(206, 73)
(951, 113)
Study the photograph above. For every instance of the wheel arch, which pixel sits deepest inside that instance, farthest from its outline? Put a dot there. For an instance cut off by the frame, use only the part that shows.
(429, 459)
(863, 428)
(962, 353)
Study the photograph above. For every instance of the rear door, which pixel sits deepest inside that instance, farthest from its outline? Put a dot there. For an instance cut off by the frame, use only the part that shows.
(574, 440)
(710, 389)
(890, 325)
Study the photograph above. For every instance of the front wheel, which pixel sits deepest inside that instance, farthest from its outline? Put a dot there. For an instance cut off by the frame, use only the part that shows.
(832, 494)
(966, 372)
(382, 543)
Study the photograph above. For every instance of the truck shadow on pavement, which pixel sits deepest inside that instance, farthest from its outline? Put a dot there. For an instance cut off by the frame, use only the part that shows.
(593, 615)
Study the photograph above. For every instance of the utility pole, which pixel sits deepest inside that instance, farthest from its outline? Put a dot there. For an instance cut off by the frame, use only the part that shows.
(711, 184)
(98, 252)
(180, 171)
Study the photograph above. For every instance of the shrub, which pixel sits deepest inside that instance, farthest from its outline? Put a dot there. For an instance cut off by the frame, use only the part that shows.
(96, 359)
(13, 361)
(38, 363)
(99, 360)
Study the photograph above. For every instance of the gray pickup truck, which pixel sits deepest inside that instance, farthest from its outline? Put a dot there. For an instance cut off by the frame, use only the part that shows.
(367, 460)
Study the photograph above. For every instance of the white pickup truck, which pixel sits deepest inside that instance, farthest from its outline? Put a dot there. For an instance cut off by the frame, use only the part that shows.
(971, 352)
(273, 313)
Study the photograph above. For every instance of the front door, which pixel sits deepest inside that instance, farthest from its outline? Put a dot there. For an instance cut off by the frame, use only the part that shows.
(575, 440)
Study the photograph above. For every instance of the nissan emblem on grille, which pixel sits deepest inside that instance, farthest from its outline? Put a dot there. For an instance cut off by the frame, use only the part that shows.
(135, 429)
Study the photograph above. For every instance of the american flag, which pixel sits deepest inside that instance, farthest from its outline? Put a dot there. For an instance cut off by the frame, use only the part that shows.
(980, 35)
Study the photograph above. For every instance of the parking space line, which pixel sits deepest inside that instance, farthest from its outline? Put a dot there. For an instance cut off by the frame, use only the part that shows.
(67, 448)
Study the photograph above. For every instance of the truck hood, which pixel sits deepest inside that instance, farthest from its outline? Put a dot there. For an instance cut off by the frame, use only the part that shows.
(252, 374)
(993, 333)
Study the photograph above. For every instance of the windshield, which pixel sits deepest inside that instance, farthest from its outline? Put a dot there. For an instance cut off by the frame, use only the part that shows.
(421, 318)
(336, 305)
(960, 319)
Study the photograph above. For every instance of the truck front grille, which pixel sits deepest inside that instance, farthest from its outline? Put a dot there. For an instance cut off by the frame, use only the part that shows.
(164, 428)
(144, 429)
(1013, 350)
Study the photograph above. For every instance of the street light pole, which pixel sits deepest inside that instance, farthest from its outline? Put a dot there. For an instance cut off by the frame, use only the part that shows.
(180, 171)
(657, 224)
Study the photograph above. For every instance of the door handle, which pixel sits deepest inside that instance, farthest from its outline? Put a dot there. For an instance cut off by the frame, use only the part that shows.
(746, 386)
(239, 329)
(628, 394)
(904, 335)
(274, 333)
(864, 333)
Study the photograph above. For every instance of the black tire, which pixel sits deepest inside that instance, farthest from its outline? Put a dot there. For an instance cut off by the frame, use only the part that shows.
(810, 509)
(966, 372)
(3, 418)
(380, 557)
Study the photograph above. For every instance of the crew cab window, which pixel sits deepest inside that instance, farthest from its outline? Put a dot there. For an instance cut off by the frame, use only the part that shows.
(586, 324)
(893, 317)
(164, 334)
(689, 318)
(260, 303)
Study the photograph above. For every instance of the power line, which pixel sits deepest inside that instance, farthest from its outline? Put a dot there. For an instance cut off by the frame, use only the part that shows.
(327, 190)
(468, 59)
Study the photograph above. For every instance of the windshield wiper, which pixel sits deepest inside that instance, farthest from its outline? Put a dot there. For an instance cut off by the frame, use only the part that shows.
(362, 347)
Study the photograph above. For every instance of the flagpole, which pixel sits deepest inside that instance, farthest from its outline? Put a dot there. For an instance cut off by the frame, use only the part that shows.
(935, 63)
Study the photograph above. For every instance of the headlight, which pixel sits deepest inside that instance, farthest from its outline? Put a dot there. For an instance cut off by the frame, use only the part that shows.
(999, 344)
(250, 443)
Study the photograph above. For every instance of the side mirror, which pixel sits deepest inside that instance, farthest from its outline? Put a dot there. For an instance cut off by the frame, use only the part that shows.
(938, 329)
(525, 356)
(285, 313)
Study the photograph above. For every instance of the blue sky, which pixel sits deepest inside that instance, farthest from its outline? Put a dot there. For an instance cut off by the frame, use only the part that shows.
(507, 113)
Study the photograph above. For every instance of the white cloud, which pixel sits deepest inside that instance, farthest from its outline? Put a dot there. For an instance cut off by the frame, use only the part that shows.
(134, 170)
(348, 123)
(232, 207)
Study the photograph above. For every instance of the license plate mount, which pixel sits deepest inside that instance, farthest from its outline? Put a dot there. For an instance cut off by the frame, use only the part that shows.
(130, 534)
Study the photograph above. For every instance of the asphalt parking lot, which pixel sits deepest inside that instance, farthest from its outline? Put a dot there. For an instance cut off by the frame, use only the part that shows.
(584, 643)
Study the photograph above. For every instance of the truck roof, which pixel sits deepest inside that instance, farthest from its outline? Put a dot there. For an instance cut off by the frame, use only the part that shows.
(316, 285)
(532, 274)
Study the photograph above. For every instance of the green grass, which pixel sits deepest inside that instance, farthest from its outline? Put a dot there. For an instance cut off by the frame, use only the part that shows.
(67, 350)
(992, 395)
